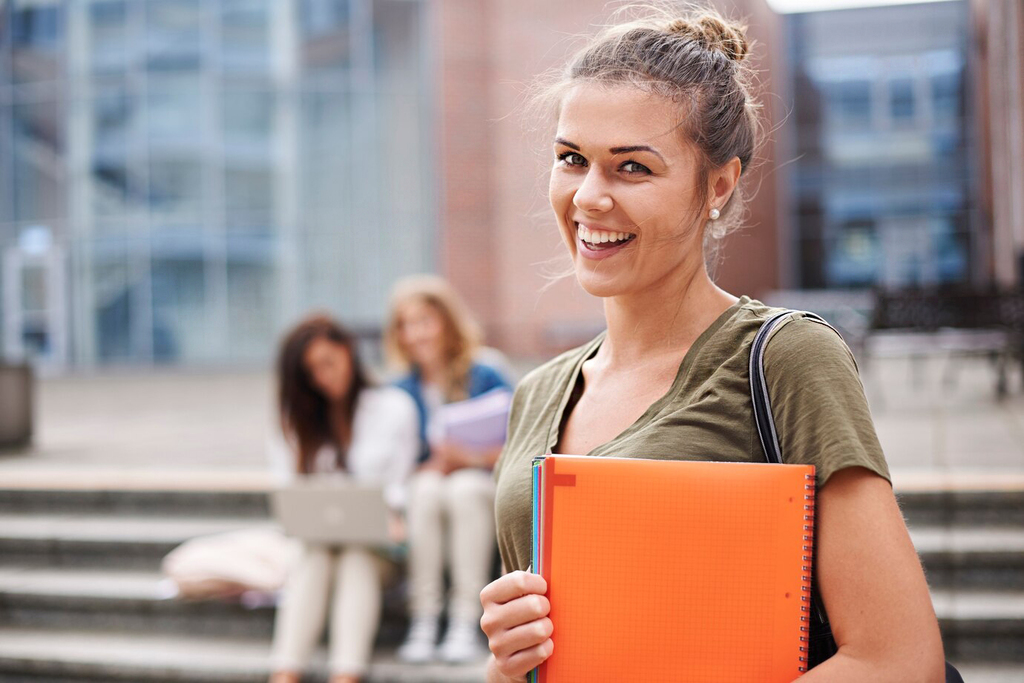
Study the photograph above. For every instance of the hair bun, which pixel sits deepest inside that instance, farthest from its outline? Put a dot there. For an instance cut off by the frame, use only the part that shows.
(714, 33)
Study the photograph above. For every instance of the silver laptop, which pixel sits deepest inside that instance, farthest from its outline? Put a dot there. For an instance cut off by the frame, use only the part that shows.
(337, 512)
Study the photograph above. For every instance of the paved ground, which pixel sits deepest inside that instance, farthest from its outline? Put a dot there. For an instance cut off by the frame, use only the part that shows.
(938, 420)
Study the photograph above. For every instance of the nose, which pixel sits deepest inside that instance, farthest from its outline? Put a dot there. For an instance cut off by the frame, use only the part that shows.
(593, 194)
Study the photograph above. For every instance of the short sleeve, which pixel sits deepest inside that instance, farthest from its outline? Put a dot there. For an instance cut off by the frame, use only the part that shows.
(818, 401)
(514, 413)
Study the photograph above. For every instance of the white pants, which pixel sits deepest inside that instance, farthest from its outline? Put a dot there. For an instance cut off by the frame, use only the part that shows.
(462, 502)
(356, 576)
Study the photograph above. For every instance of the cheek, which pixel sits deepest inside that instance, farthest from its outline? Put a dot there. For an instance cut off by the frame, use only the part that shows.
(434, 333)
(322, 380)
(560, 193)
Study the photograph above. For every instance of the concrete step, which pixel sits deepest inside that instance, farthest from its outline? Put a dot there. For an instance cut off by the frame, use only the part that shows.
(962, 507)
(102, 541)
(136, 502)
(961, 557)
(971, 558)
(117, 600)
(985, 626)
(981, 626)
(142, 602)
(76, 657)
(990, 673)
(72, 656)
(925, 500)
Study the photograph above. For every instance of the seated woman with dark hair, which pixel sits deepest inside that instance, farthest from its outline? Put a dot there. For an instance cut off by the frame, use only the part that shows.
(335, 422)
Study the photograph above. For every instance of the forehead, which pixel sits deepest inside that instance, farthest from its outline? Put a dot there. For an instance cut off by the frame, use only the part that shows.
(321, 347)
(606, 116)
(416, 308)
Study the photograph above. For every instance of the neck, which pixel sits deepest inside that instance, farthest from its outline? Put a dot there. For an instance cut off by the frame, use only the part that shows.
(662, 319)
(431, 373)
(340, 407)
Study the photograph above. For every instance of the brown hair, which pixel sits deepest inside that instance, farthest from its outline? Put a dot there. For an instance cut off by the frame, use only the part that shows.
(694, 57)
(303, 410)
(461, 331)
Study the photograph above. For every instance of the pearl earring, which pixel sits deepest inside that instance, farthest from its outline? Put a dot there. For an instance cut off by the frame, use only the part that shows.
(717, 231)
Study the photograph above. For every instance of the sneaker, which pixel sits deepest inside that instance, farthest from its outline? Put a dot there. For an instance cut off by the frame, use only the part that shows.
(421, 643)
(462, 643)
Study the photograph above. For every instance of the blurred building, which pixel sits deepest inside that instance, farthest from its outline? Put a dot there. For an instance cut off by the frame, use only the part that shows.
(882, 190)
(181, 178)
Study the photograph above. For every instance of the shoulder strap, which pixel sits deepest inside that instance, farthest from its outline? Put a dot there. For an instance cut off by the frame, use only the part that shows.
(759, 387)
(765, 421)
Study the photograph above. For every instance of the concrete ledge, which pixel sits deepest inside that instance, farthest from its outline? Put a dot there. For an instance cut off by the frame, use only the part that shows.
(78, 655)
(905, 480)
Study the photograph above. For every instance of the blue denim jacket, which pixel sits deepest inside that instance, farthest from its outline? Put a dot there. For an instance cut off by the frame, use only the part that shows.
(482, 378)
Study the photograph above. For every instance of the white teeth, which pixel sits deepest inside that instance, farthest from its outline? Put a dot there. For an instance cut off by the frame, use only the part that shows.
(595, 237)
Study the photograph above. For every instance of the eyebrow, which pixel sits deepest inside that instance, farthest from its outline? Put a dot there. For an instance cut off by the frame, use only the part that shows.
(614, 150)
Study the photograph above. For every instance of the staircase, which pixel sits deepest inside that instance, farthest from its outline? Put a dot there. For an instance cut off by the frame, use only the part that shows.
(971, 543)
(81, 598)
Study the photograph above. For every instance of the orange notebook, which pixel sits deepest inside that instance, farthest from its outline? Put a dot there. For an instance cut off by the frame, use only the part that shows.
(667, 571)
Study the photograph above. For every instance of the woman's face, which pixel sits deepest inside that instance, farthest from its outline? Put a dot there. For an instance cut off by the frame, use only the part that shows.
(421, 332)
(329, 365)
(623, 190)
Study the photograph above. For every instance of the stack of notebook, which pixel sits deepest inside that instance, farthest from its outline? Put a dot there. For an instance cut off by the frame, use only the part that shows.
(665, 571)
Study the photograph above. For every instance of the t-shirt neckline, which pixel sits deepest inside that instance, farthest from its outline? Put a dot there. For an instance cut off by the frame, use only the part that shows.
(588, 351)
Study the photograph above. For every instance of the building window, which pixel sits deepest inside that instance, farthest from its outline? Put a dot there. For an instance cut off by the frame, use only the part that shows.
(901, 99)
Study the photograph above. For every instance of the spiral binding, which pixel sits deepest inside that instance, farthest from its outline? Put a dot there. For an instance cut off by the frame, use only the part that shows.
(806, 568)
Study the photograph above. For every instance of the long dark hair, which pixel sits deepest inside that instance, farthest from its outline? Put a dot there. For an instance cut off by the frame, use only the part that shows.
(303, 410)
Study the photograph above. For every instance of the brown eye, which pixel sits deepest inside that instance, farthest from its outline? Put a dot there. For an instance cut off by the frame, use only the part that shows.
(572, 159)
(634, 167)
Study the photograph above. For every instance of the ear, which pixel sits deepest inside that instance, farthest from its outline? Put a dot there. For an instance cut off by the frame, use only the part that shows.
(723, 181)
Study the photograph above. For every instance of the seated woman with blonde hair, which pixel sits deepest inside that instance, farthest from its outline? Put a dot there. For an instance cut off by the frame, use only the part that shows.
(432, 336)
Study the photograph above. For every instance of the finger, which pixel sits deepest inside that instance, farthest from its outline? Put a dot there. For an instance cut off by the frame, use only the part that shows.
(525, 661)
(522, 610)
(522, 637)
(512, 586)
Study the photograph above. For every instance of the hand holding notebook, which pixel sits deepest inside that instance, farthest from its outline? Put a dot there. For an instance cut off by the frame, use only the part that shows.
(516, 623)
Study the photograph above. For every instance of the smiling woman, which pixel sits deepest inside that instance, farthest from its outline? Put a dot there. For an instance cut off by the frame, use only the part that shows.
(656, 126)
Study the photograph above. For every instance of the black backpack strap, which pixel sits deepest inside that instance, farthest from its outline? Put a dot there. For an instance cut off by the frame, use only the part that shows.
(821, 644)
(759, 387)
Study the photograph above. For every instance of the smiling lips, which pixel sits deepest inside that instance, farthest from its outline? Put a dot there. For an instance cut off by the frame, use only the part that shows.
(601, 243)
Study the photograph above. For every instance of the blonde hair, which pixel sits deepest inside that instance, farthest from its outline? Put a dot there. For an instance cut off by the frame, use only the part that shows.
(462, 334)
(693, 56)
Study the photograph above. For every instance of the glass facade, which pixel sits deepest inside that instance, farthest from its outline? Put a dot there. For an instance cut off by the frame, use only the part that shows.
(199, 173)
(881, 183)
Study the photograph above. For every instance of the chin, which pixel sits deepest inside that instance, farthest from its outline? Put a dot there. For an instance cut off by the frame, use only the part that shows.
(599, 284)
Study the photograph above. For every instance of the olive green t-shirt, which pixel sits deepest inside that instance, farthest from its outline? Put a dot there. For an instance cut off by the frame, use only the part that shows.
(817, 399)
